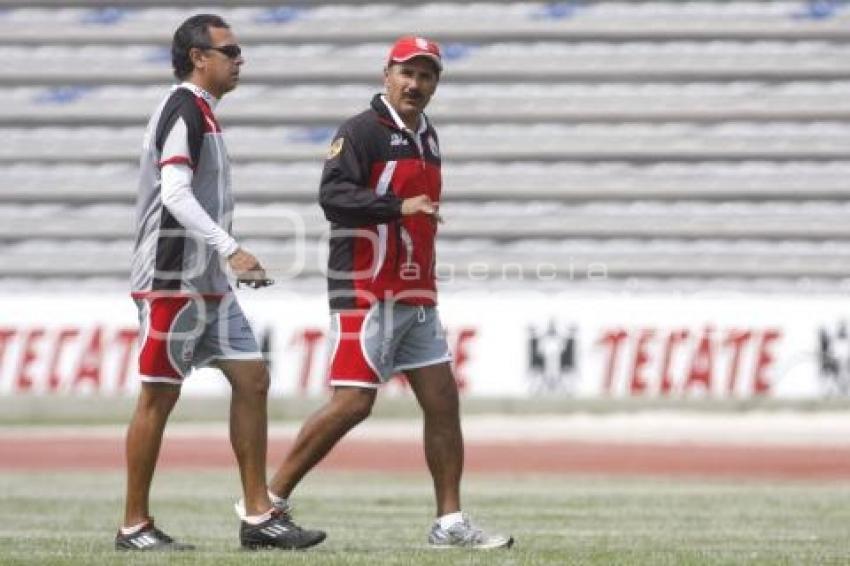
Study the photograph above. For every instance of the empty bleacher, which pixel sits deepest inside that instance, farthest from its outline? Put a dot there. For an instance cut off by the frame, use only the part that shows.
(683, 143)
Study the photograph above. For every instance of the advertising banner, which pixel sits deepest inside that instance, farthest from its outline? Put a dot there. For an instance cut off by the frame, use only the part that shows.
(519, 345)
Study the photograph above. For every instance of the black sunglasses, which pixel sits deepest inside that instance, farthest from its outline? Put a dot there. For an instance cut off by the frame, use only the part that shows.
(229, 51)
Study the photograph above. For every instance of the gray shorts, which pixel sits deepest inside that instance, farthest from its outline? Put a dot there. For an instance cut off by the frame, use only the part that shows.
(178, 333)
(369, 347)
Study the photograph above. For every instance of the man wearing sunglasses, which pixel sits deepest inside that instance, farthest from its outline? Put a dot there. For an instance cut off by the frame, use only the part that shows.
(188, 313)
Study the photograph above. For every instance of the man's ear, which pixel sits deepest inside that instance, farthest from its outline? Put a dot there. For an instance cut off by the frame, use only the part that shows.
(196, 55)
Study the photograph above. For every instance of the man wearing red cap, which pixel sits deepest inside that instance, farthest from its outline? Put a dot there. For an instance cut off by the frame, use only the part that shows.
(380, 190)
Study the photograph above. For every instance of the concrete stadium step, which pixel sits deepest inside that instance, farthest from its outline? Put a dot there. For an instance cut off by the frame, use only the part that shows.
(482, 261)
(593, 142)
(497, 221)
(473, 103)
(271, 182)
(261, 20)
(549, 61)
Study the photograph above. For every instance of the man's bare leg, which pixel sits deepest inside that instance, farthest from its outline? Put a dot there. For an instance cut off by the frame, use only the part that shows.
(249, 380)
(144, 438)
(436, 391)
(347, 407)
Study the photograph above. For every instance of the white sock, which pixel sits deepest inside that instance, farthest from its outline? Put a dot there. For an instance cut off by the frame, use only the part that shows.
(276, 499)
(134, 529)
(239, 506)
(447, 521)
(257, 519)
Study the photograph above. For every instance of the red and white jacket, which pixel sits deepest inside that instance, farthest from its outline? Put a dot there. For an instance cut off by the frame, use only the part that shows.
(374, 163)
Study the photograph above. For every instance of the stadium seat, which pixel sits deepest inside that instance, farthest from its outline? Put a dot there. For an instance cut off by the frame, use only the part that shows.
(683, 144)
(464, 103)
(583, 141)
(479, 21)
(552, 60)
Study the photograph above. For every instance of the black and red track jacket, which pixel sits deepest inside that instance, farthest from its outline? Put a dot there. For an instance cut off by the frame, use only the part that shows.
(373, 164)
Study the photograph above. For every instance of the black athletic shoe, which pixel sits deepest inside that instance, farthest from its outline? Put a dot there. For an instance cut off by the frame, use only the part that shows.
(278, 532)
(149, 538)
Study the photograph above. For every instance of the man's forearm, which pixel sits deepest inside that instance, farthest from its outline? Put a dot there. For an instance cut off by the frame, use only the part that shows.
(177, 197)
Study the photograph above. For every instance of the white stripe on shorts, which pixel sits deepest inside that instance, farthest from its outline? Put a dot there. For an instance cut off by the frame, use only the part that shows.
(239, 356)
(423, 364)
(363, 349)
(352, 383)
(177, 367)
(337, 321)
(161, 379)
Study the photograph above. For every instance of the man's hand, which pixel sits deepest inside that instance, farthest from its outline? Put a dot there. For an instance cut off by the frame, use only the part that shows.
(248, 270)
(421, 204)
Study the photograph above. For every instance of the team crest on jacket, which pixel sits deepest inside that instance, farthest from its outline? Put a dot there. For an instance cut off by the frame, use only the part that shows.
(432, 143)
(335, 148)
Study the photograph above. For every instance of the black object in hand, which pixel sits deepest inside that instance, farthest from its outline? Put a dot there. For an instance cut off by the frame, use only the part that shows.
(254, 283)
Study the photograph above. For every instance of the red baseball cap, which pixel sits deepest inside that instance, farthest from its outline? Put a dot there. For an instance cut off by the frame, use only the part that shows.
(410, 46)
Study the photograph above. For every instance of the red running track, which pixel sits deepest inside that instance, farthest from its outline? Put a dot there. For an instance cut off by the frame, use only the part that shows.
(779, 462)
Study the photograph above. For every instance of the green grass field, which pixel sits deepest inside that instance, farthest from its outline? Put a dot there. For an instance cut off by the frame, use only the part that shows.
(70, 518)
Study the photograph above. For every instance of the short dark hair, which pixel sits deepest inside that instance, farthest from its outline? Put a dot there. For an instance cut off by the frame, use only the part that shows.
(194, 32)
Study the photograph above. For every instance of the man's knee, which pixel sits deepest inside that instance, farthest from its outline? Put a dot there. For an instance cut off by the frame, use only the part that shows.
(353, 403)
(248, 377)
(438, 395)
(260, 381)
(158, 397)
(446, 390)
(445, 407)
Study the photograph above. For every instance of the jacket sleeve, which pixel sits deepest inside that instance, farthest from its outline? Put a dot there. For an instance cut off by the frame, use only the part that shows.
(344, 194)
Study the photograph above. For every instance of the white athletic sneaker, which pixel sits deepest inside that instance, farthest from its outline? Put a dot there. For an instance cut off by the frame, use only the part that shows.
(279, 503)
(466, 535)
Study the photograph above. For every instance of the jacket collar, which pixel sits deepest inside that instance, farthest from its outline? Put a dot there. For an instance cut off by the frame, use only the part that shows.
(200, 93)
(388, 115)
